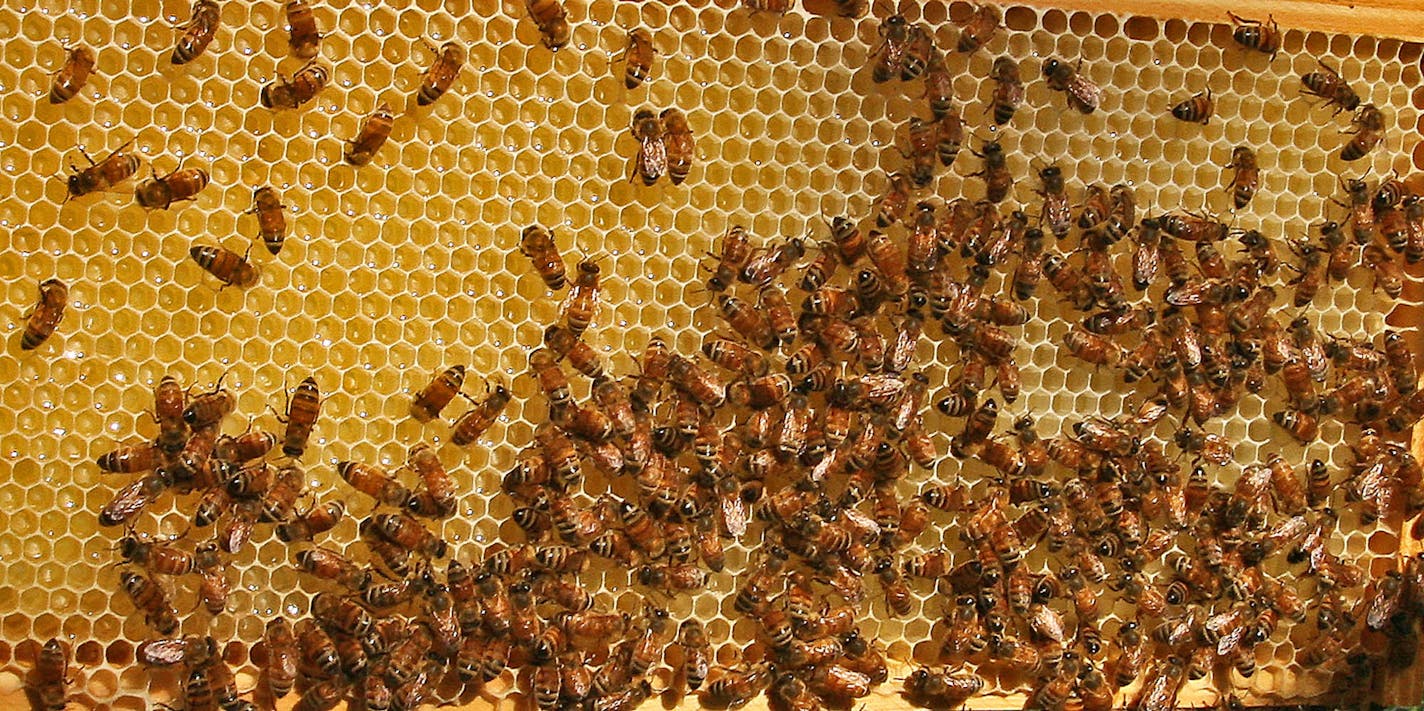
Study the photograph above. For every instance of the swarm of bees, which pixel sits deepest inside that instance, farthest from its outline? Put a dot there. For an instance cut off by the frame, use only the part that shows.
(798, 430)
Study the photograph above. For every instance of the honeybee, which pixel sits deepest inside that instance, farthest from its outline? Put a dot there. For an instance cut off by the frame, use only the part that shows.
(231, 268)
(479, 418)
(44, 317)
(436, 80)
(580, 307)
(1198, 109)
(892, 205)
(979, 29)
(1093, 348)
(322, 696)
(1368, 130)
(439, 497)
(50, 680)
(678, 144)
(1389, 274)
(435, 396)
(922, 151)
(1254, 34)
(1008, 89)
(651, 161)
(407, 533)
(1331, 87)
(1247, 178)
(152, 600)
(115, 168)
(301, 88)
(1083, 94)
(302, 412)
(737, 686)
(371, 135)
(328, 564)
(919, 52)
(271, 218)
(303, 37)
(132, 499)
(551, 18)
(71, 78)
(1300, 424)
(180, 185)
(580, 355)
(939, 86)
(894, 35)
(283, 656)
(998, 181)
(199, 32)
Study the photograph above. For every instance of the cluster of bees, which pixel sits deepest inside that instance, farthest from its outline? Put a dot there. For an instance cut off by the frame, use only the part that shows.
(184, 184)
(800, 436)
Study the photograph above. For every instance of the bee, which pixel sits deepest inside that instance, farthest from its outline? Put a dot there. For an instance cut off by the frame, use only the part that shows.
(998, 181)
(678, 144)
(115, 168)
(78, 65)
(50, 680)
(44, 317)
(1247, 178)
(891, 207)
(154, 557)
(166, 652)
(1300, 424)
(302, 412)
(407, 533)
(651, 160)
(283, 655)
(737, 686)
(922, 151)
(328, 564)
(1261, 36)
(702, 385)
(580, 307)
(322, 696)
(479, 418)
(300, 89)
(979, 29)
(1368, 130)
(1389, 275)
(199, 32)
(303, 37)
(767, 264)
(168, 405)
(696, 652)
(580, 355)
(919, 52)
(1331, 87)
(849, 242)
(271, 218)
(152, 600)
(1198, 109)
(435, 396)
(551, 18)
(449, 60)
(373, 482)
(439, 497)
(132, 499)
(1008, 90)
(894, 36)
(371, 135)
(1083, 94)
(231, 268)
(939, 86)
(639, 57)
(1093, 348)
(178, 186)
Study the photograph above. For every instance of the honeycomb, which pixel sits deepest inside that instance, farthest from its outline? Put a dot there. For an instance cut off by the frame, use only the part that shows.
(397, 269)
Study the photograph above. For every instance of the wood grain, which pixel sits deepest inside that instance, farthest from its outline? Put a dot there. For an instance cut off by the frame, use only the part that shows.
(1398, 19)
